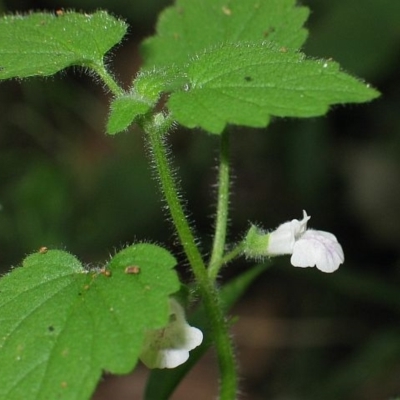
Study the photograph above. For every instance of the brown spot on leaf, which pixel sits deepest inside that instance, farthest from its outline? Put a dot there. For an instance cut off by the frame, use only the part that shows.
(227, 11)
(105, 272)
(268, 31)
(132, 269)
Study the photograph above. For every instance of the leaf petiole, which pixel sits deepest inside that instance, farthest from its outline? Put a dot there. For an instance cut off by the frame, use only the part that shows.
(107, 78)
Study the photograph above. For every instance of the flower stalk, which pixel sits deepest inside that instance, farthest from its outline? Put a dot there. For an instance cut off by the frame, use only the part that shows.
(217, 259)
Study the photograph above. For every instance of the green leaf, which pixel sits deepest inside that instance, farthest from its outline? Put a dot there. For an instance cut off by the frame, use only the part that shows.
(144, 95)
(246, 84)
(124, 110)
(62, 325)
(191, 26)
(43, 44)
(162, 383)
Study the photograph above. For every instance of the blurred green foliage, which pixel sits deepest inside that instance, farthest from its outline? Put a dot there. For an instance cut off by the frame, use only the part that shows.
(63, 183)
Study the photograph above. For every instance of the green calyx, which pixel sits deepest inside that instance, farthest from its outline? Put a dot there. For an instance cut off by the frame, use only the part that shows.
(256, 243)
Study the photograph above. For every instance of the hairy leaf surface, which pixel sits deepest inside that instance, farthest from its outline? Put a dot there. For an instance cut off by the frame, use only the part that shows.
(41, 44)
(246, 84)
(61, 325)
(191, 26)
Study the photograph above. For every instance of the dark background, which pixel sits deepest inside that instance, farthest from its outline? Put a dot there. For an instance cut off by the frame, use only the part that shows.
(301, 334)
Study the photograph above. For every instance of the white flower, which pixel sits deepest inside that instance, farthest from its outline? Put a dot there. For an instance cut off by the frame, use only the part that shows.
(282, 239)
(169, 347)
(308, 247)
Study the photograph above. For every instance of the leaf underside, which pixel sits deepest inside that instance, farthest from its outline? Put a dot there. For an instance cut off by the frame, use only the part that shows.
(62, 325)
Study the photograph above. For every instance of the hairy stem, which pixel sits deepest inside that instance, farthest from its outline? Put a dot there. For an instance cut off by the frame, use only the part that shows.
(107, 78)
(231, 255)
(156, 128)
(222, 208)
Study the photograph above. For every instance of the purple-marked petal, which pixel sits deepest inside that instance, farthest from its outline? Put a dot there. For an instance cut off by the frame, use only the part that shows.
(317, 248)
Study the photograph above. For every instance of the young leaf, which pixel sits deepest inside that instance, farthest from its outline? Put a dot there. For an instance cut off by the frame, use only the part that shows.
(43, 44)
(147, 89)
(124, 110)
(61, 325)
(246, 84)
(191, 26)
